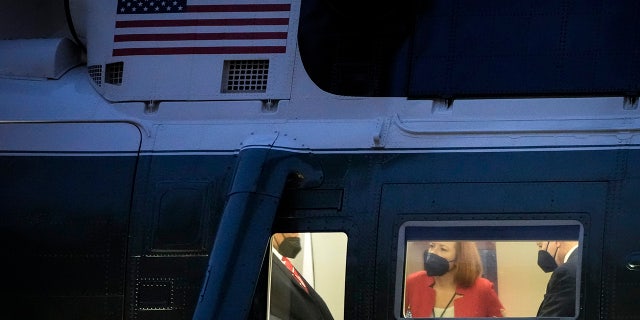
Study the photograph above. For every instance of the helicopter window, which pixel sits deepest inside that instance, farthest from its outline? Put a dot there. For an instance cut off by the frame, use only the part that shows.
(469, 49)
(509, 269)
(307, 275)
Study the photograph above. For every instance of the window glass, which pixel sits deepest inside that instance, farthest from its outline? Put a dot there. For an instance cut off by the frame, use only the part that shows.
(489, 269)
(474, 49)
(307, 275)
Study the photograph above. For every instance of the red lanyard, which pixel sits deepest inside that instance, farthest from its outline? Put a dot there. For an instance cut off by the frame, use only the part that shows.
(295, 273)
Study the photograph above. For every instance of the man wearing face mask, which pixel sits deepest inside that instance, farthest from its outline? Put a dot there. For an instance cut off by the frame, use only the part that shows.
(291, 296)
(561, 257)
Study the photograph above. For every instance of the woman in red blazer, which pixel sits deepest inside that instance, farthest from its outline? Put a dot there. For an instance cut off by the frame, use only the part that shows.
(450, 285)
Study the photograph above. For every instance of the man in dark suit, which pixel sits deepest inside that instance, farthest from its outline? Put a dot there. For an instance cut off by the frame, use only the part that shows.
(560, 297)
(291, 296)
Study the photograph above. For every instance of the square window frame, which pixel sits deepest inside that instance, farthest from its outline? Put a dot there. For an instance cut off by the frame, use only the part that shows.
(400, 277)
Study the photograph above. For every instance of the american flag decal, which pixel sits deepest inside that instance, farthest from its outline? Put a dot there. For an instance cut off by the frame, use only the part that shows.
(174, 27)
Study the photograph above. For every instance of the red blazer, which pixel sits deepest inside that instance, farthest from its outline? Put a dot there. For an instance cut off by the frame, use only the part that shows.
(479, 300)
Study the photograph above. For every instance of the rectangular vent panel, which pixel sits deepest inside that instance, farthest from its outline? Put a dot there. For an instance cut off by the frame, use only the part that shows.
(95, 72)
(154, 294)
(113, 73)
(241, 76)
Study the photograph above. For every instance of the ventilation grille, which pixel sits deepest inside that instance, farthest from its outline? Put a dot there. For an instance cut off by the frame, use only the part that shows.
(95, 72)
(113, 73)
(245, 76)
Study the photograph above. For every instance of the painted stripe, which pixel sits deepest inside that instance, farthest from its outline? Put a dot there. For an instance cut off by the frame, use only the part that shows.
(239, 7)
(403, 150)
(202, 22)
(200, 36)
(67, 154)
(206, 29)
(205, 16)
(202, 44)
(203, 50)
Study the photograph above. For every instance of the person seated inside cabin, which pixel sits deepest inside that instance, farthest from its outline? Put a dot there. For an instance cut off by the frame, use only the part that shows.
(451, 285)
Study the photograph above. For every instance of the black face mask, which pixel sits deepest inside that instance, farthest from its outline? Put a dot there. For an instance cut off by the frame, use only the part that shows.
(546, 261)
(290, 247)
(435, 265)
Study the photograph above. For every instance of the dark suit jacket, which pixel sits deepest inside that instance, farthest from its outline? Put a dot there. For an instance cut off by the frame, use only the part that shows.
(560, 298)
(289, 301)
